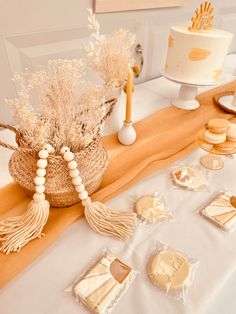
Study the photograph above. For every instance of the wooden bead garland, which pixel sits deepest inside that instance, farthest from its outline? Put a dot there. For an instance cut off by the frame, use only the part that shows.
(15, 232)
(74, 173)
(101, 218)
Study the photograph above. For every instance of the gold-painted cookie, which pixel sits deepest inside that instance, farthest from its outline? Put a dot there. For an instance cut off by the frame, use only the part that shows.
(168, 270)
(103, 284)
(221, 211)
(188, 177)
(151, 208)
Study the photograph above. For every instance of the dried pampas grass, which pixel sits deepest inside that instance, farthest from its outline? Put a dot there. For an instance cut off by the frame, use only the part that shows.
(55, 105)
(110, 56)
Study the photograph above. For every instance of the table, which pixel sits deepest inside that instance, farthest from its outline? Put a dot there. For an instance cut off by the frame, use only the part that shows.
(40, 289)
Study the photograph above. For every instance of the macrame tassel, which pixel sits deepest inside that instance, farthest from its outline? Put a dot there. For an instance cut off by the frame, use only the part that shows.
(101, 218)
(17, 231)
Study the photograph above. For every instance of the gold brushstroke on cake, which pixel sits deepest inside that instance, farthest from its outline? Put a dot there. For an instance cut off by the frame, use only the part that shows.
(217, 75)
(197, 54)
(170, 42)
(203, 18)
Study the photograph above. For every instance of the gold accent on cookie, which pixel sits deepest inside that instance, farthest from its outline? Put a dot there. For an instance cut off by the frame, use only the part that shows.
(197, 54)
(233, 201)
(168, 270)
(203, 18)
(119, 270)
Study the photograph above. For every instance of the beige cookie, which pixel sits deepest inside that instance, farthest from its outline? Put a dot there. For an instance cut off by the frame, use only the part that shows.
(168, 270)
(221, 211)
(150, 208)
(188, 177)
(104, 283)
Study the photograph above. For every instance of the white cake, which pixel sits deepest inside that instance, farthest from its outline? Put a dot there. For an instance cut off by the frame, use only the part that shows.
(196, 57)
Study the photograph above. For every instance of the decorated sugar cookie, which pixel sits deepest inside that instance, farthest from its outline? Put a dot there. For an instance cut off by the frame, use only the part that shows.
(168, 270)
(171, 271)
(104, 284)
(221, 211)
(190, 178)
(151, 208)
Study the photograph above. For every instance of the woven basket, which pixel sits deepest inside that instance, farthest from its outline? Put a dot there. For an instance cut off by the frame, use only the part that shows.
(92, 163)
(59, 191)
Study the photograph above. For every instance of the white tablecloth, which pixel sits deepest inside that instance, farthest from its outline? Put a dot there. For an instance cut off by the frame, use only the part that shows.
(39, 289)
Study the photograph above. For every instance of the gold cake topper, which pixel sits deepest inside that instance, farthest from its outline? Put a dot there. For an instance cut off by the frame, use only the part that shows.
(203, 18)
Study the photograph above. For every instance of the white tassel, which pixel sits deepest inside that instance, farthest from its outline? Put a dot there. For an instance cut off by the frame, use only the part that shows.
(101, 218)
(15, 232)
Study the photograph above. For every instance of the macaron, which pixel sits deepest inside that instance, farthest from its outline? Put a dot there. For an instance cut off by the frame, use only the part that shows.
(218, 126)
(202, 142)
(168, 270)
(214, 138)
(231, 132)
(227, 147)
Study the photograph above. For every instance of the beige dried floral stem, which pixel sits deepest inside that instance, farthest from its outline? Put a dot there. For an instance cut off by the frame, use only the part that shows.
(110, 56)
(70, 110)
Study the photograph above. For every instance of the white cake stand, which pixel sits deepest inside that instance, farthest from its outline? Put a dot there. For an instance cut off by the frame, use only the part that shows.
(187, 93)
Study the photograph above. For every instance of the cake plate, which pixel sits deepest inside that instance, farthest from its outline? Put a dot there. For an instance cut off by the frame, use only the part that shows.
(227, 101)
(187, 93)
(212, 160)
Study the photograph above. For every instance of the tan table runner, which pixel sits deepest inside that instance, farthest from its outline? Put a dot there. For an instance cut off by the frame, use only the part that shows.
(164, 137)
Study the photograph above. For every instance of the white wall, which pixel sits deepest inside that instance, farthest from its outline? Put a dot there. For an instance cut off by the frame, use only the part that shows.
(32, 31)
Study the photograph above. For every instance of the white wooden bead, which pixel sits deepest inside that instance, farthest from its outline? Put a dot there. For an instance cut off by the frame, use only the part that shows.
(43, 154)
(41, 172)
(83, 195)
(49, 148)
(76, 181)
(74, 173)
(39, 180)
(39, 197)
(86, 202)
(72, 164)
(79, 188)
(40, 189)
(64, 150)
(42, 163)
(68, 156)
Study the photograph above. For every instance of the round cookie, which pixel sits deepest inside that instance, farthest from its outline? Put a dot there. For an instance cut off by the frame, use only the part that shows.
(214, 138)
(226, 147)
(231, 132)
(150, 208)
(168, 270)
(218, 126)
